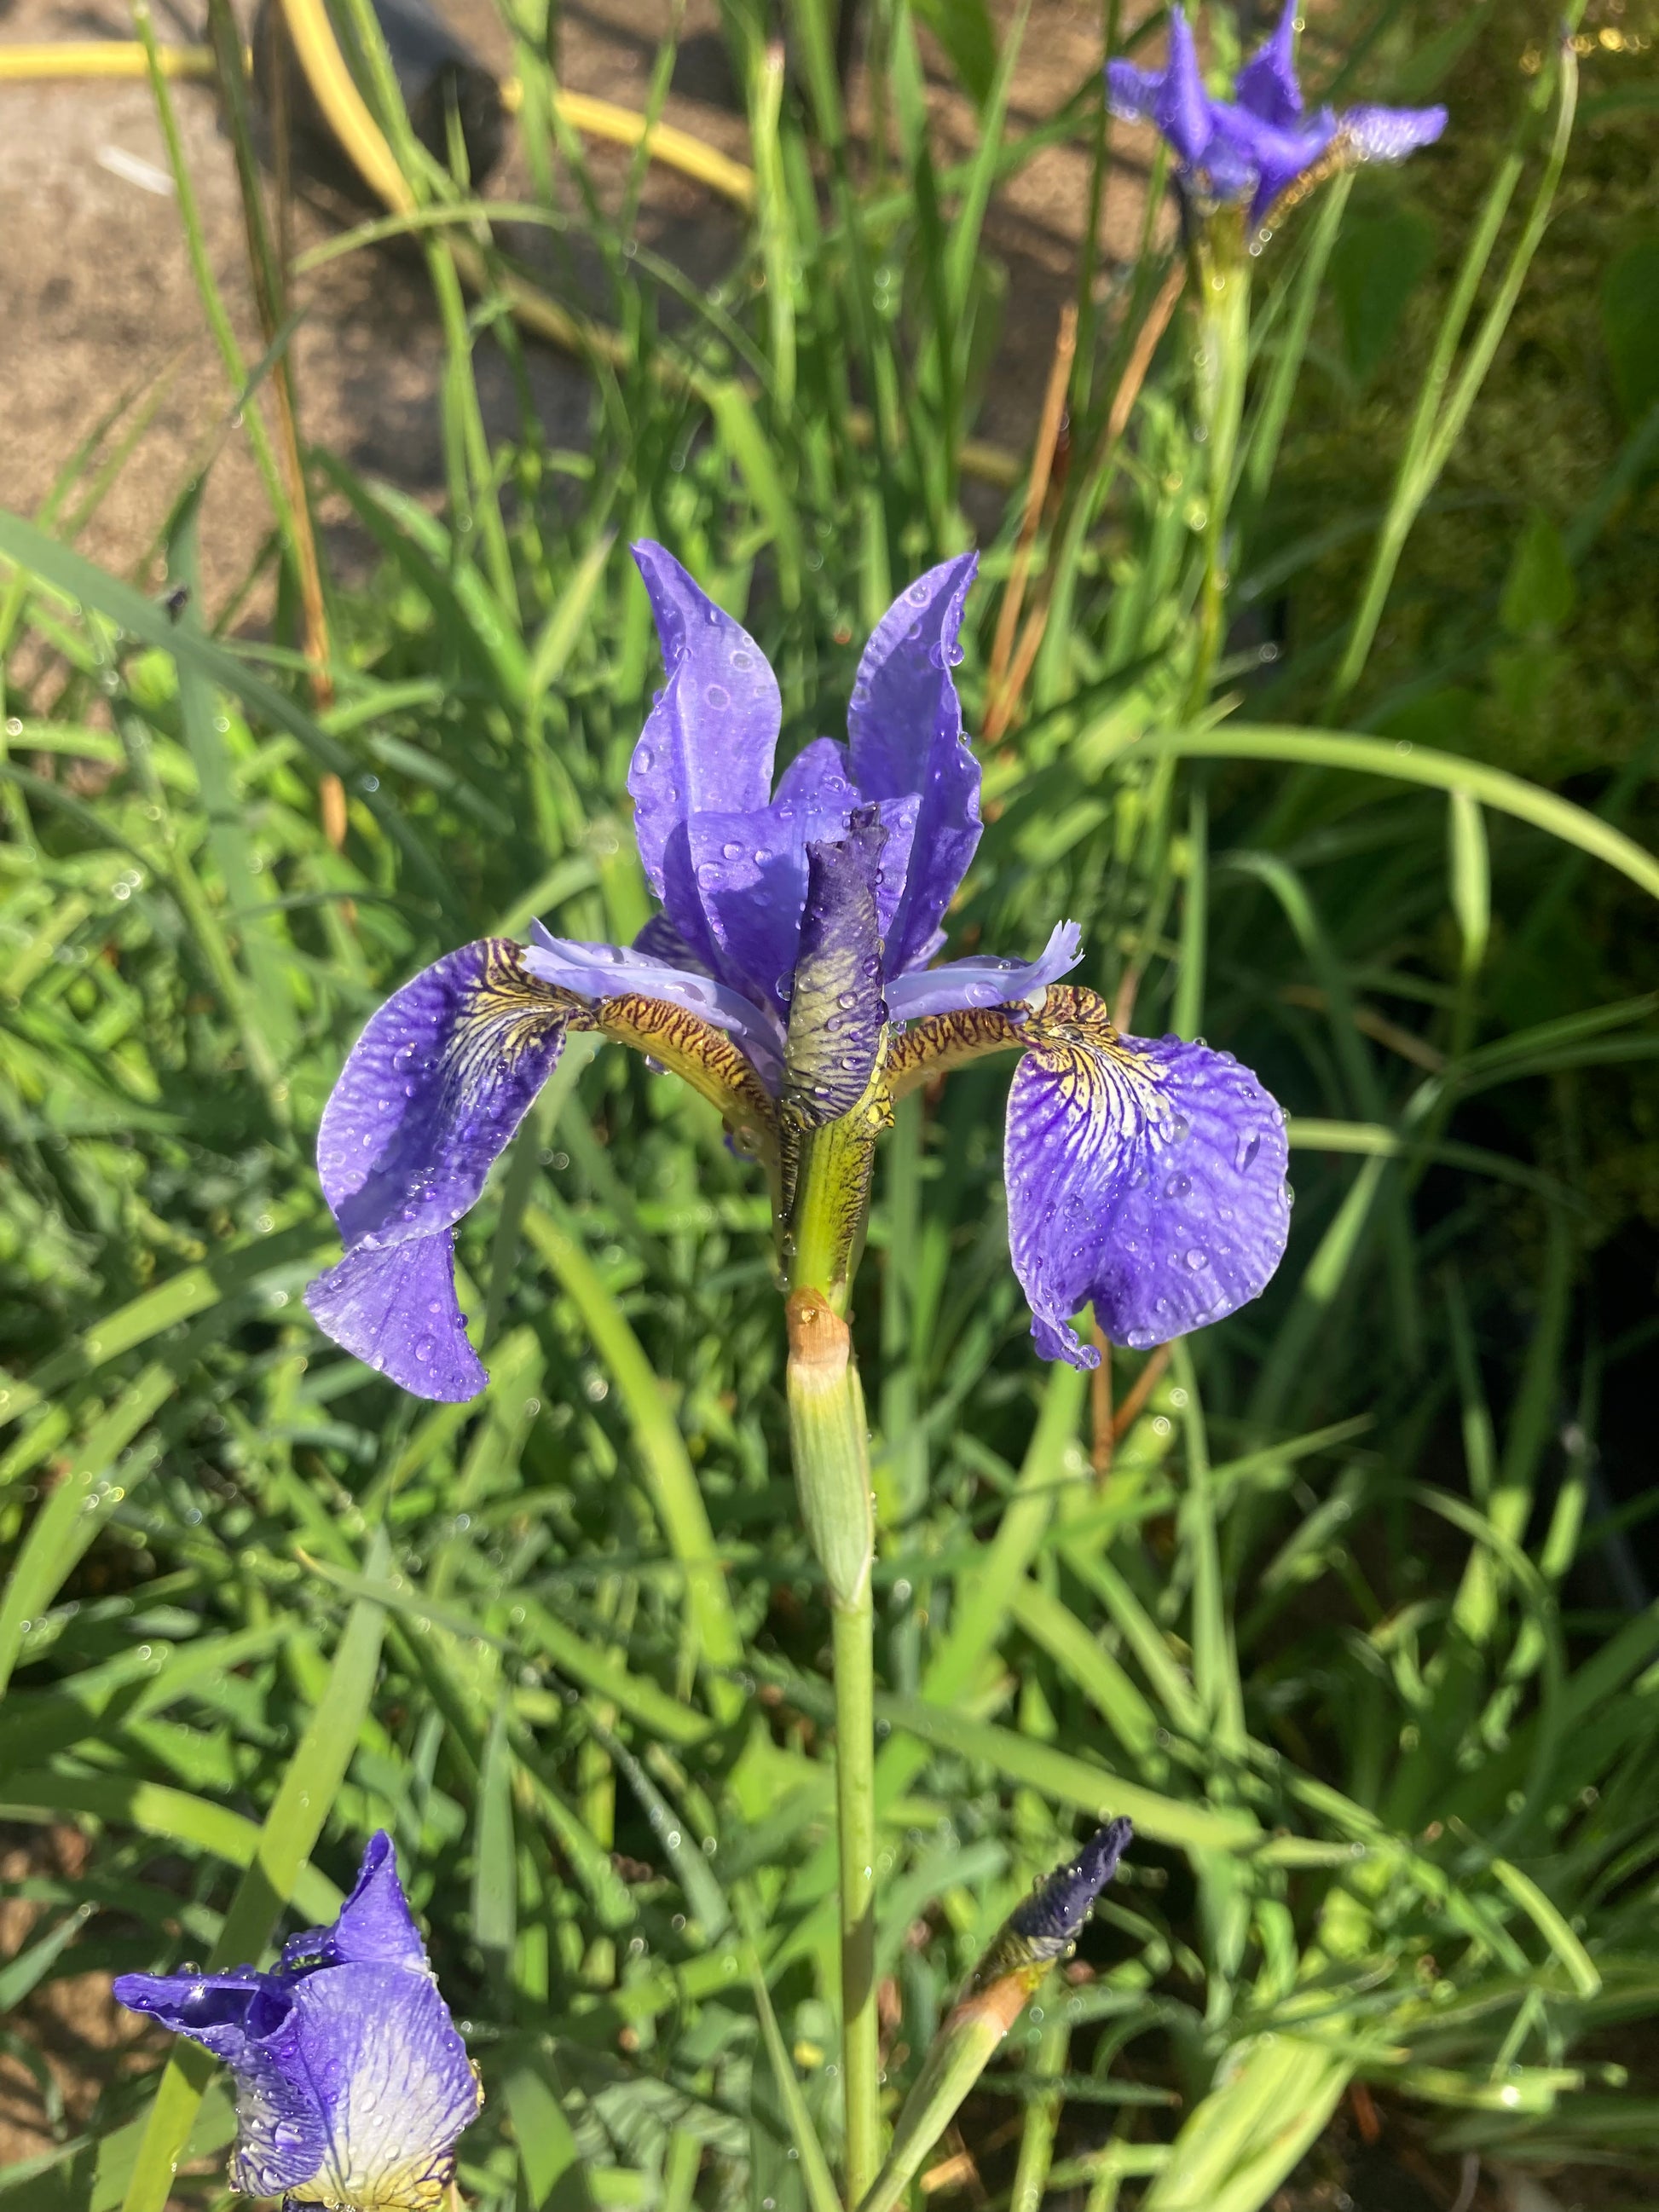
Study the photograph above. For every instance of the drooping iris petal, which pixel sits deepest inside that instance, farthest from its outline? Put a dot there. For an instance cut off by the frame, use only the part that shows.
(904, 725)
(837, 1017)
(984, 981)
(1388, 134)
(1146, 1176)
(394, 1307)
(433, 1089)
(1267, 85)
(392, 2081)
(282, 2137)
(375, 1926)
(432, 1092)
(708, 743)
(1172, 98)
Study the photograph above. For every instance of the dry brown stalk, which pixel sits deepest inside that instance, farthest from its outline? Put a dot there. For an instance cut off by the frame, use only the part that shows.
(1128, 390)
(1049, 427)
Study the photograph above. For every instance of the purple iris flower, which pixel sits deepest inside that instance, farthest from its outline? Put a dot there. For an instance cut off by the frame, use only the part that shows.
(352, 2084)
(1255, 146)
(787, 978)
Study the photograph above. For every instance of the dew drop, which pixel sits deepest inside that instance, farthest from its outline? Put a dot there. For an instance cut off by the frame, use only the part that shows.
(1178, 1186)
(716, 696)
(731, 850)
(1248, 1146)
(424, 1348)
(1195, 1259)
(644, 759)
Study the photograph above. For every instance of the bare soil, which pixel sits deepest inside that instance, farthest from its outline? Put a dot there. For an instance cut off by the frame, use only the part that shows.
(98, 301)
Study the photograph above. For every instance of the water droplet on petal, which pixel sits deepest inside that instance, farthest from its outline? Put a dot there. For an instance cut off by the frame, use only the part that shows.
(1246, 1150)
(1178, 1186)
(1195, 1259)
(644, 759)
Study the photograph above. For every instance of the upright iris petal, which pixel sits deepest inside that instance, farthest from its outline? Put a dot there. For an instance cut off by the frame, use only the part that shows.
(1267, 86)
(352, 2085)
(708, 743)
(904, 724)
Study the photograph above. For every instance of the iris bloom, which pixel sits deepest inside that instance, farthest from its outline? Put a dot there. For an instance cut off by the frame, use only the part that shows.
(788, 979)
(1259, 144)
(352, 2084)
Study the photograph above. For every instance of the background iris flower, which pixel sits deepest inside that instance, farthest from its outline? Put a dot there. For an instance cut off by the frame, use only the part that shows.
(352, 2084)
(1257, 145)
(788, 979)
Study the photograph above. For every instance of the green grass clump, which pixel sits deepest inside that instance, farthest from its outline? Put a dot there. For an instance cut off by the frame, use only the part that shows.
(1330, 1615)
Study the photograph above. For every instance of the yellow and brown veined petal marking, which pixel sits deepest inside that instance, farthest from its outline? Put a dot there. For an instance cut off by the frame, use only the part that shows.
(939, 1042)
(709, 1060)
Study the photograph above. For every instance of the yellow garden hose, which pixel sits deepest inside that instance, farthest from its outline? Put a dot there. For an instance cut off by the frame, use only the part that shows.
(359, 134)
(597, 118)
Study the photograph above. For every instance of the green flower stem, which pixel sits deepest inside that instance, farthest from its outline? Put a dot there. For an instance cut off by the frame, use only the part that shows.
(965, 2044)
(1221, 292)
(827, 1204)
(832, 1472)
(855, 1823)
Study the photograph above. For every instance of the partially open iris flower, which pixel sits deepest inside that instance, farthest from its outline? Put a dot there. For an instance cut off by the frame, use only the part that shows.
(1257, 145)
(352, 2083)
(787, 980)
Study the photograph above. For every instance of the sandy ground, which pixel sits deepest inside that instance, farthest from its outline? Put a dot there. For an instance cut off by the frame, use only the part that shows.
(97, 298)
